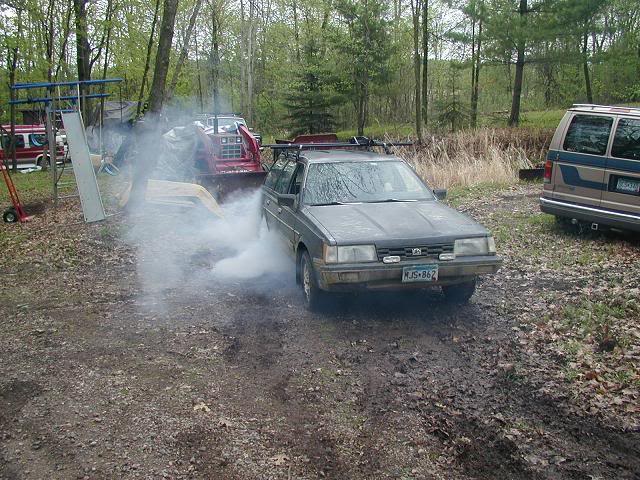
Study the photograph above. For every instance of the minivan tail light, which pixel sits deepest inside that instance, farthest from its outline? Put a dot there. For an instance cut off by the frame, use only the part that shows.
(548, 168)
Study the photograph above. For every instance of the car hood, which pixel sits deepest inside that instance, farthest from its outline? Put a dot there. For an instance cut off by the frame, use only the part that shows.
(392, 223)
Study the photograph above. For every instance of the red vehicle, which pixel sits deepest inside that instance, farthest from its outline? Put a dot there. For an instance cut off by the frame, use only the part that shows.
(229, 161)
(31, 141)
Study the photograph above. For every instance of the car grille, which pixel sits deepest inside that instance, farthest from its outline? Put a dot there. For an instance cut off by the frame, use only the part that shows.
(407, 253)
(231, 151)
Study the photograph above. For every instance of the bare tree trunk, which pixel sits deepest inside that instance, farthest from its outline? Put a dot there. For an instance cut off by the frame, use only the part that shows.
(107, 49)
(251, 61)
(50, 41)
(200, 97)
(145, 72)
(243, 60)
(83, 52)
(514, 117)
(163, 56)
(476, 79)
(295, 29)
(425, 62)
(185, 49)
(13, 65)
(585, 68)
(65, 38)
(415, 10)
(215, 59)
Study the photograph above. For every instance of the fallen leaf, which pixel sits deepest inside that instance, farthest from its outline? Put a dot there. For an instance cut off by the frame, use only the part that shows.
(202, 407)
(280, 459)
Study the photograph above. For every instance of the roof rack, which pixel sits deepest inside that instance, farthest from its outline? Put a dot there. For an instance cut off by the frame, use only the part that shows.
(354, 142)
(593, 106)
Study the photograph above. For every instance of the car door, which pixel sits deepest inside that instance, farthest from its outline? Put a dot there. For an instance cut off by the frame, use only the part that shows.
(284, 215)
(622, 174)
(269, 198)
(289, 215)
(580, 163)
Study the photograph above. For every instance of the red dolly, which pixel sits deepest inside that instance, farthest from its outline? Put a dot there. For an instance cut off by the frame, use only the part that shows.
(16, 212)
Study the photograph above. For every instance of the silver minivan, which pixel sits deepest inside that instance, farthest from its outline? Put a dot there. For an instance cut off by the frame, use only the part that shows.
(592, 172)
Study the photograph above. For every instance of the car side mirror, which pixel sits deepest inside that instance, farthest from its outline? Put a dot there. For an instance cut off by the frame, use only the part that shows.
(440, 193)
(286, 199)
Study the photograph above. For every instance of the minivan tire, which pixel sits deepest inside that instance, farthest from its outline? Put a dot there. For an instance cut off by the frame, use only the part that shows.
(39, 160)
(314, 297)
(459, 293)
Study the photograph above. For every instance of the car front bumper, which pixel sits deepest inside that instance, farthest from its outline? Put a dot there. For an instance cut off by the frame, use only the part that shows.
(380, 276)
(610, 218)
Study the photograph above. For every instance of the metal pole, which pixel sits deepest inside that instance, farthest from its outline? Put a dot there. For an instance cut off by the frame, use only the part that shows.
(52, 150)
(12, 139)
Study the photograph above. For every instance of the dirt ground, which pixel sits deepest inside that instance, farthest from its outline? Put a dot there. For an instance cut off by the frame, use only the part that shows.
(106, 376)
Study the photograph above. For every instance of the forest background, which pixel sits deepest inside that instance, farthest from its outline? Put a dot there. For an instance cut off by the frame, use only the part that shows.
(292, 66)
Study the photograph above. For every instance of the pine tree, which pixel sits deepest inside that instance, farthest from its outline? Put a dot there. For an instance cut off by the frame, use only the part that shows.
(312, 95)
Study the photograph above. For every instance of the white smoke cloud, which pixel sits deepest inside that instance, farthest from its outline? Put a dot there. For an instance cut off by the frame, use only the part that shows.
(182, 248)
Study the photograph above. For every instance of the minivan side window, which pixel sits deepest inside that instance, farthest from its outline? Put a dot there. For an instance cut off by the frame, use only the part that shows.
(588, 134)
(38, 139)
(626, 142)
(6, 141)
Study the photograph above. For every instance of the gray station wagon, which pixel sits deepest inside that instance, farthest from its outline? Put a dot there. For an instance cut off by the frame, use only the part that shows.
(592, 173)
(357, 220)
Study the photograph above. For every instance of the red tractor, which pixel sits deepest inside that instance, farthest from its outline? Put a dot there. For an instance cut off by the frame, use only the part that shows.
(228, 161)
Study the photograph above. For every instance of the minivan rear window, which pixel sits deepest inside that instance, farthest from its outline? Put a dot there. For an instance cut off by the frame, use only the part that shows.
(626, 143)
(588, 134)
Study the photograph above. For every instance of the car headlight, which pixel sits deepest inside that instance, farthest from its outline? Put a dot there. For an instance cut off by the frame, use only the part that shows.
(350, 254)
(475, 246)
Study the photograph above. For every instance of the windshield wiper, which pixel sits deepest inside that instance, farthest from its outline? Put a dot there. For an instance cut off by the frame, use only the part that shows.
(326, 203)
(389, 200)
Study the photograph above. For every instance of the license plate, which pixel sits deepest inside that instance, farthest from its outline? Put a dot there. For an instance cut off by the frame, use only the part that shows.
(422, 273)
(628, 185)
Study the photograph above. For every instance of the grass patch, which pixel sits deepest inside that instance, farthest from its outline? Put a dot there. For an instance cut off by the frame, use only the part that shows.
(31, 187)
(542, 118)
(380, 132)
(457, 195)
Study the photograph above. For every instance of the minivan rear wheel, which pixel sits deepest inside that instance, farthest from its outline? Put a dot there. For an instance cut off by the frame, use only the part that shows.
(40, 158)
(459, 293)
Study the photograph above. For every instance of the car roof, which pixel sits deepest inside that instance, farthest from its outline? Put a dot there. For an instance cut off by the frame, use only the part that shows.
(324, 156)
(609, 109)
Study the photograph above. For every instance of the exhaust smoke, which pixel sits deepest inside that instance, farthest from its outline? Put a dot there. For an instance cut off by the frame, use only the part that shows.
(189, 249)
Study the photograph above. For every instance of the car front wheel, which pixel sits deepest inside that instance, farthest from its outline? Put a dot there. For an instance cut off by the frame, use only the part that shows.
(313, 296)
(459, 293)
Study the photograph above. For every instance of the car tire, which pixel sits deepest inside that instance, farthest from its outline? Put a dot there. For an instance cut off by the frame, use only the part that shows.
(39, 161)
(459, 293)
(313, 296)
(10, 215)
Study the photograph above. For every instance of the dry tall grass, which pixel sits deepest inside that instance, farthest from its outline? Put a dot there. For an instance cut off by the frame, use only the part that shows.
(477, 156)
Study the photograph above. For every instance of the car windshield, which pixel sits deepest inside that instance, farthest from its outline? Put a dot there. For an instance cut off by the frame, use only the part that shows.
(363, 182)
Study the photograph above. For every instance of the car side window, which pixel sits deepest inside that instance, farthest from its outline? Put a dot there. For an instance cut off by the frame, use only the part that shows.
(274, 173)
(296, 185)
(285, 178)
(626, 142)
(588, 134)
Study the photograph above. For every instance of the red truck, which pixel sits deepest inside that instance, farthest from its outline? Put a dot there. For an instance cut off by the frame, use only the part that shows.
(31, 140)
